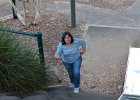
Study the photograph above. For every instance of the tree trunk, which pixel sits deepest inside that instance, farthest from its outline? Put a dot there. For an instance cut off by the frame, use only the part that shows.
(14, 13)
(17, 12)
(25, 14)
(37, 4)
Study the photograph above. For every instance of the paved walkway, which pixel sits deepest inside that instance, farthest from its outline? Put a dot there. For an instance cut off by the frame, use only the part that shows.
(128, 18)
(94, 16)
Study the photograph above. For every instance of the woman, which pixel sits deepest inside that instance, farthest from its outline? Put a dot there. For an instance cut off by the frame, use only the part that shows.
(70, 50)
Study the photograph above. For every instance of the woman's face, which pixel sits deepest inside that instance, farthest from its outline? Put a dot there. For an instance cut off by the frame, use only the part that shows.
(67, 39)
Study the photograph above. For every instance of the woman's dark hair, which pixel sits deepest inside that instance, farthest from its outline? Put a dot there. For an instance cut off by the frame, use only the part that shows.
(64, 35)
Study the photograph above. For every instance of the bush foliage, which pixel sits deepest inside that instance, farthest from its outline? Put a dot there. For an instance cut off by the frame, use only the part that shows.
(20, 70)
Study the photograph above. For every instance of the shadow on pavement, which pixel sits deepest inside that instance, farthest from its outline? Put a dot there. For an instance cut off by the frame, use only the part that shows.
(66, 93)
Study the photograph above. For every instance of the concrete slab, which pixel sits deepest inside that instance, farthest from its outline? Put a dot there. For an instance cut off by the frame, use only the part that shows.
(108, 46)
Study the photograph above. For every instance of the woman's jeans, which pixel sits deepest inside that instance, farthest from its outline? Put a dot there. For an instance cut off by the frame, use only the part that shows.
(73, 70)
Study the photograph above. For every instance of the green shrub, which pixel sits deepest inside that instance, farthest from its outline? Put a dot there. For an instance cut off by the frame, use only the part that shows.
(20, 70)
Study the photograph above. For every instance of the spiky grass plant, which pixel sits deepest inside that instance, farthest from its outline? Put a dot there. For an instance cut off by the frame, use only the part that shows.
(20, 71)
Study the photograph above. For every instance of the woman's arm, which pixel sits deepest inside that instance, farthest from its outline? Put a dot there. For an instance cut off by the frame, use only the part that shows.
(58, 52)
(82, 45)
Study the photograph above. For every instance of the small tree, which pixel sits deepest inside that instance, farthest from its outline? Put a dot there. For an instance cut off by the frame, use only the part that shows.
(23, 18)
(20, 70)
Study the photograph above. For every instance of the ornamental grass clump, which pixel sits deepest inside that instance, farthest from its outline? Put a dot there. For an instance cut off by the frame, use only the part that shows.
(20, 70)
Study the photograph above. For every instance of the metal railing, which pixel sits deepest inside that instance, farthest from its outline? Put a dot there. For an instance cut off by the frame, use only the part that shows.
(32, 43)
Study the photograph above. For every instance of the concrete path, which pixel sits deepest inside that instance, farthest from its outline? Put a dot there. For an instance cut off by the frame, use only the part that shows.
(94, 16)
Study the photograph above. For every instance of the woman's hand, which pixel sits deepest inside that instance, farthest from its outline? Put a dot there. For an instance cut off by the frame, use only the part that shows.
(57, 57)
(82, 50)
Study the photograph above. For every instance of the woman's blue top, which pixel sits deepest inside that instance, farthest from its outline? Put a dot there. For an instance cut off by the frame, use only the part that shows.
(70, 54)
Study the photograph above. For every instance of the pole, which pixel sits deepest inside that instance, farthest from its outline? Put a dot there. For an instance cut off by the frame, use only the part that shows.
(14, 14)
(40, 46)
(73, 17)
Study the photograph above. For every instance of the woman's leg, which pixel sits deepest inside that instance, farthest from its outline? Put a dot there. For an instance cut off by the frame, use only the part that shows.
(69, 69)
(76, 72)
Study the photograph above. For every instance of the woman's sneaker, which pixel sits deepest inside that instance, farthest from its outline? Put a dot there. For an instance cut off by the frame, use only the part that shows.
(71, 85)
(76, 90)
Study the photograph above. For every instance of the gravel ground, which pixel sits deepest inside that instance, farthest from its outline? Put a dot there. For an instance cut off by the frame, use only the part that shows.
(53, 24)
